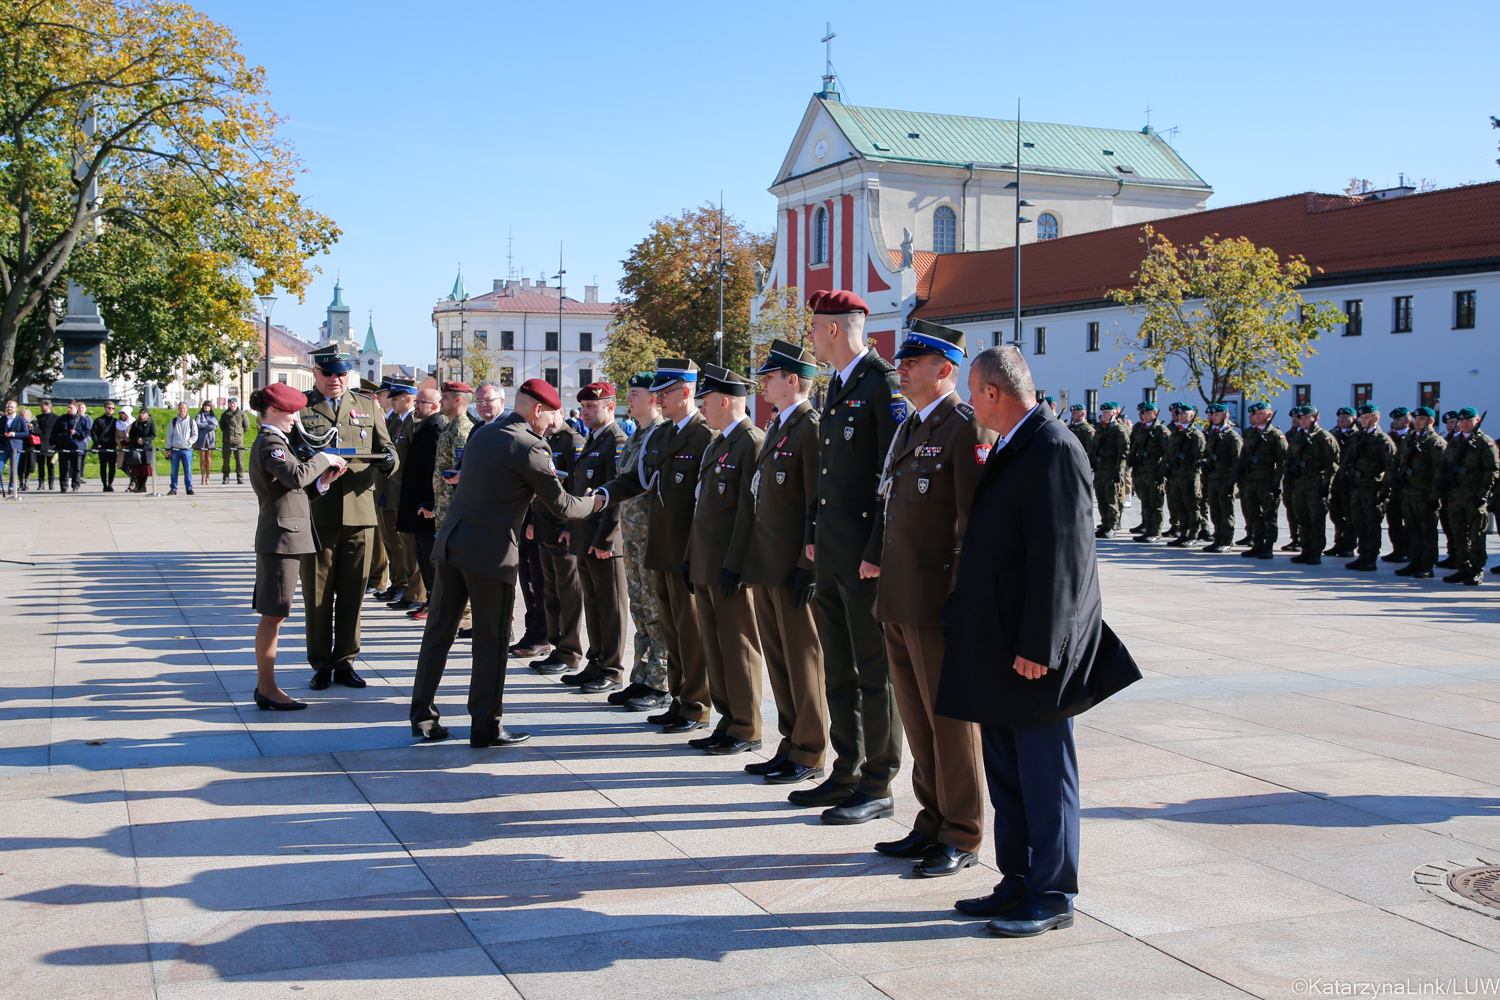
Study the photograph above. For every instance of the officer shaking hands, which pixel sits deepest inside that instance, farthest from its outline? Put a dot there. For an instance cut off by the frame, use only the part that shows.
(334, 576)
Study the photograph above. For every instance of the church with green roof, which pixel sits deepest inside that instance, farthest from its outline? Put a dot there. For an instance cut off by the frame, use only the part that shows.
(335, 330)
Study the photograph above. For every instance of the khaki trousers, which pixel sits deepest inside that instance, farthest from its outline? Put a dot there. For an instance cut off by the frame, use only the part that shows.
(401, 547)
(947, 764)
(687, 679)
(379, 559)
(794, 662)
(606, 608)
(562, 596)
(333, 588)
(731, 656)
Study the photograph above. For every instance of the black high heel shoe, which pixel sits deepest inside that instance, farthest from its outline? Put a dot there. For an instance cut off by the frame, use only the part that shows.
(266, 704)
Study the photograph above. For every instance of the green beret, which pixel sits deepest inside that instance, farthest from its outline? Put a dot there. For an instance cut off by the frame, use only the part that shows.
(1258, 405)
(1109, 406)
(1299, 411)
(1468, 413)
(1450, 415)
(1400, 411)
(1187, 408)
(1367, 408)
(1216, 408)
(1050, 400)
(1143, 407)
(1424, 411)
(1076, 406)
(1344, 411)
(642, 380)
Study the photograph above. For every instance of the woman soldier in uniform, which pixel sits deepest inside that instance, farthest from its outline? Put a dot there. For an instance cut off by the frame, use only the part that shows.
(284, 530)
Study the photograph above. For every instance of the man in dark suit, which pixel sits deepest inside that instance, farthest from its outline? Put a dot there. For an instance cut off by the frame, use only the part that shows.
(506, 465)
(863, 409)
(1026, 645)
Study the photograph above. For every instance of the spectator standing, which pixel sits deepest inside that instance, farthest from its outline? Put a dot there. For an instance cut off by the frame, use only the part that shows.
(182, 433)
(140, 443)
(233, 425)
(28, 449)
(102, 433)
(17, 430)
(416, 516)
(68, 441)
(43, 427)
(208, 431)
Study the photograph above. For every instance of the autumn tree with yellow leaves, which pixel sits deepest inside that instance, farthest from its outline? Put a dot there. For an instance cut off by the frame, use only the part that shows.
(1227, 311)
(149, 107)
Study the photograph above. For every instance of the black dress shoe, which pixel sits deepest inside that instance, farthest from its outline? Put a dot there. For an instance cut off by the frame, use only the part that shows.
(348, 678)
(550, 667)
(320, 680)
(791, 772)
(683, 725)
(765, 766)
(663, 719)
(267, 705)
(622, 696)
(388, 594)
(599, 685)
(1215, 548)
(1395, 557)
(1030, 922)
(1425, 573)
(1243, 541)
(401, 604)
(913, 845)
(1291, 547)
(586, 674)
(704, 741)
(828, 793)
(996, 904)
(504, 738)
(466, 633)
(1178, 543)
(650, 701)
(433, 735)
(944, 860)
(731, 745)
(859, 808)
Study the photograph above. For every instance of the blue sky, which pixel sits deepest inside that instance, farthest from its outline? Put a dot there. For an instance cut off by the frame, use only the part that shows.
(431, 131)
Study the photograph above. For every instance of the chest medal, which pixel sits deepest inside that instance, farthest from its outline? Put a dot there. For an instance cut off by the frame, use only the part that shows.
(848, 433)
(922, 484)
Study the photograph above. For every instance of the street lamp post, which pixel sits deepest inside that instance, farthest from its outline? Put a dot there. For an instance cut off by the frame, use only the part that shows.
(266, 302)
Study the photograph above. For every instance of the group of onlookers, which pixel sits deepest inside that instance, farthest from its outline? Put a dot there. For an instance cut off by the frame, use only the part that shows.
(55, 443)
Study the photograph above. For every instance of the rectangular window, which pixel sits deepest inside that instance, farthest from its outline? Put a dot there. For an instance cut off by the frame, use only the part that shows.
(1093, 338)
(1402, 318)
(481, 339)
(550, 376)
(1430, 394)
(1302, 394)
(255, 380)
(1463, 310)
(507, 340)
(507, 376)
(1355, 310)
(551, 340)
(1091, 397)
(1363, 393)
(1041, 341)
(998, 339)
(1149, 395)
(585, 376)
(281, 377)
(586, 343)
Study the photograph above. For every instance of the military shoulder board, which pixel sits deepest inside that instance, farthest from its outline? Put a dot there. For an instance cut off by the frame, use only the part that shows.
(966, 410)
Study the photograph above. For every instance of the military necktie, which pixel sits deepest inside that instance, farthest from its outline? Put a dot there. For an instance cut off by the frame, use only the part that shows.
(913, 426)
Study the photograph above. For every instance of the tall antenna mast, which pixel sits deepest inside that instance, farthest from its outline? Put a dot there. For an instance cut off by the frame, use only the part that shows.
(510, 252)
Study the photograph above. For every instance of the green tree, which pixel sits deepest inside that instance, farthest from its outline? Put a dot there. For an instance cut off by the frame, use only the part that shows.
(1227, 311)
(671, 284)
(140, 160)
(480, 362)
(783, 315)
(632, 348)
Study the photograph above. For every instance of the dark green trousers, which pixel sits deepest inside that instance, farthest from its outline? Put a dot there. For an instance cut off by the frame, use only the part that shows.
(1260, 502)
(1220, 495)
(1311, 501)
(864, 723)
(1366, 518)
(1153, 497)
(1419, 515)
(333, 588)
(1184, 494)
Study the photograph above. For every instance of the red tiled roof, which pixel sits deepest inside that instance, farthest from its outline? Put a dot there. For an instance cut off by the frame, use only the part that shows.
(519, 301)
(1337, 233)
(922, 261)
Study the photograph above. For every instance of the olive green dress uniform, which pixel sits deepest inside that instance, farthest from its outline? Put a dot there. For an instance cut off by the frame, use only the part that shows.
(1312, 462)
(562, 593)
(1472, 467)
(1221, 465)
(400, 546)
(1148, 451)
(668, 470)
(857, 422)
(606, 605)
(284, 528)
(1184, 455)
(1110, 455)
(650, 667)
(1261, 465)
(334, 577)
(1366, 466)
(1422, 465)
(731, 641)
(1344, 537)
(782, 488)
(932, 472)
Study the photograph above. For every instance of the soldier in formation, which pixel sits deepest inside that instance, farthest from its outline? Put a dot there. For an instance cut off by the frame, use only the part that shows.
(1110, 457)
(1312, 463)
(1420, 464)
(1148, 452)
(1078, 423)
(1338, 496)
(1364, 469)
(1221, 464)
(1262, 460)
(1468, 478)
(1184, 456)
(1395, 523)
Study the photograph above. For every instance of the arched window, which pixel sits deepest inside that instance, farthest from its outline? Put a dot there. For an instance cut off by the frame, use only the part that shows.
(944, 230)
(1046, 226)
(820, 237)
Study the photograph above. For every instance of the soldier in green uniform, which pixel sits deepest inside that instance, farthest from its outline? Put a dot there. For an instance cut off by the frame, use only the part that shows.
(1366, 466)
(450, 447)
(648, 677)
(1078, 423)
(1338, 496)
(1311, 465)
(1184, 475)
(1261, 465)
(562, 592)
(1221, 463)
(1148, 450)
(1296, 440)
(1466, 484)
(1448, 433)
(1109, 457)
(334, 577)
(1422, 463)
(1395, 525)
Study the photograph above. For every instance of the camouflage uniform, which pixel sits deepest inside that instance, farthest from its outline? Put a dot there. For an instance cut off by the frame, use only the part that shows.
(449, 451)
(650, 648)
(1111, 450)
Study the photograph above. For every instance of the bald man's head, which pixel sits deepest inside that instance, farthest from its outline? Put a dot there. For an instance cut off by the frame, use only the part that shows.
(427, 402)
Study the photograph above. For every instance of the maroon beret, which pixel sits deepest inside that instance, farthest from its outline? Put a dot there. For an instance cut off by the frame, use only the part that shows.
(596, 390)
(279, 395)
(542, 392)
(834, 303)
(456, 387)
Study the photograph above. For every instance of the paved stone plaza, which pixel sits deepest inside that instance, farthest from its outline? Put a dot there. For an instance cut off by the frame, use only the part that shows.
(1253, 811)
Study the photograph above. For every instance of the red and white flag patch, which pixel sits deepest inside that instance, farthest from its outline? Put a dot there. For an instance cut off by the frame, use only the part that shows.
(982, 453)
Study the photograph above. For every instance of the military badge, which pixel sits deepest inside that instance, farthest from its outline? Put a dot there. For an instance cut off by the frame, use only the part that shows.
(899, 410)
(781, 479)
(363, 435)
(589, 474)
(922, 484)
(721, 487)
(278, 454)
(678, 478)
(982, 453)
(848, 433)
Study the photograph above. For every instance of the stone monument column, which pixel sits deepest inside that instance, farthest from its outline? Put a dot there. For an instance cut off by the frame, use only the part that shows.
(83, 336)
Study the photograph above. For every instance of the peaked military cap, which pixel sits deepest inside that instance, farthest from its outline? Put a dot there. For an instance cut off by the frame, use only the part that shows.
(1425, 411)
(331, 361)
(670, 371)
(785, 357)
(930, 338)
(642, 380)
(730, 383)
(400, 389)
(1344, 411)
(1468, 413)
(1216, 408)
(1367, 408)
(1400, 411)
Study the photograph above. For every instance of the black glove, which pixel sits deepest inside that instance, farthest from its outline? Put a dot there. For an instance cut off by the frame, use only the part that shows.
(687, 575)
(803, 584)
(729, 582)
(387, 464)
